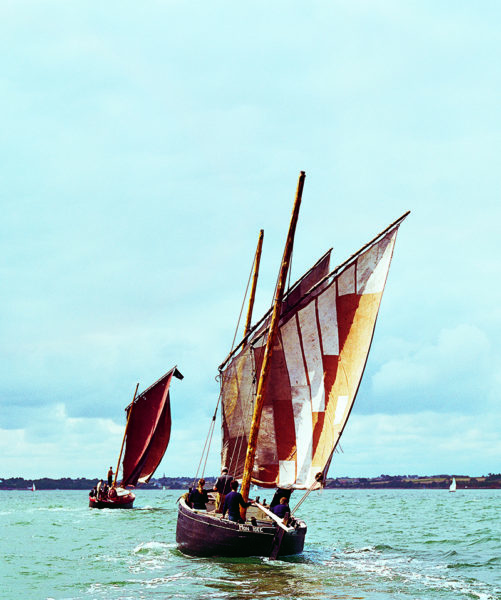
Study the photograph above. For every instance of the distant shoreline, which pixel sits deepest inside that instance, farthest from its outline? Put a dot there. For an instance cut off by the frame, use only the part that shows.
(490, 481)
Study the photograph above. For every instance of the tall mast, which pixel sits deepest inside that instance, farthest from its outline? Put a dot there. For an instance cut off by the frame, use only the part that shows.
(257, 260)
(275, 316)
(125, 433)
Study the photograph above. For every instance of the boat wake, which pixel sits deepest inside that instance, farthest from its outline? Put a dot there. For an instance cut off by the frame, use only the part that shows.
(391, 572)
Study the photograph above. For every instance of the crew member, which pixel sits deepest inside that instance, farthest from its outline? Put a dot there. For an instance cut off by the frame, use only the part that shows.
(282, 510)
(232, 503)
(222, 487)
(279, 494)
(199, 497)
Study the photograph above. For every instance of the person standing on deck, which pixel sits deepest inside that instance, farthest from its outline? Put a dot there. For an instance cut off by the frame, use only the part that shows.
(222, 487)
(110, 476)
(232, 503)
(199, 497)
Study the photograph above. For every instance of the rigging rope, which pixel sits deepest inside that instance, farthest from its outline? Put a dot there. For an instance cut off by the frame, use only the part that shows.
(207, 444)
(243, 304)
(306, 494)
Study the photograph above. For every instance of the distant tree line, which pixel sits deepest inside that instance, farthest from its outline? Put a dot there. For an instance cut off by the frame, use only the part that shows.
(82, 483)
(490, 481)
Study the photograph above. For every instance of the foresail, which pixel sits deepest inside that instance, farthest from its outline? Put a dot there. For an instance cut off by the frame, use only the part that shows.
(316, 368)
(239, 379)
(148, 431)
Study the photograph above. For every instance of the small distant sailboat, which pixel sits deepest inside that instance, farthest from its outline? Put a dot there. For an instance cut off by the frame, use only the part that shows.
(33, 487)
(452, 487)
(145, 440)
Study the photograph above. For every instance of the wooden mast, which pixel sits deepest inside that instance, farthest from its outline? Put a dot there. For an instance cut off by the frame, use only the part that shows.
(125, 433)
(257, 260)
(275, 316)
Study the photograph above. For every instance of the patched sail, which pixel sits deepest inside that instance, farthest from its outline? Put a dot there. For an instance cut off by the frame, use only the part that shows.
(325, 332)
(148, 431)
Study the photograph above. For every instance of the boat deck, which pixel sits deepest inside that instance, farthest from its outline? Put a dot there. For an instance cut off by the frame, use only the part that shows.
(253, 512)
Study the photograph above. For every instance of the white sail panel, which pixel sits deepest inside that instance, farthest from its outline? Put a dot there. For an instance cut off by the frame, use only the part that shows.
(287, 473)
(327, 317)
(301, 399)
(341, 404)
(346, 281)
(372, 267)
(313, 355)
(293, 354)
(304, 432)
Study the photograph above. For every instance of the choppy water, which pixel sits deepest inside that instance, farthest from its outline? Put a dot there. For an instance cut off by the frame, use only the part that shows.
(361, 544)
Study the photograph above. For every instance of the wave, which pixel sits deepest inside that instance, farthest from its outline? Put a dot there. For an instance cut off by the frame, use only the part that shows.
(151, 547)
(495, 560)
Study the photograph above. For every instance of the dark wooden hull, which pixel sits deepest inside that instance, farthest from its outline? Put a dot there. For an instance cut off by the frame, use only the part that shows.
(205, 534)
(119, 502)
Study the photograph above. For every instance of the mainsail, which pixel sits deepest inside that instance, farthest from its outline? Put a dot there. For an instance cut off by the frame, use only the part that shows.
(148, 431)
(325, 332)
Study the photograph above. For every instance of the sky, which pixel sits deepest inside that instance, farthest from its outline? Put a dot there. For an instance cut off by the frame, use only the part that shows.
(143, 146)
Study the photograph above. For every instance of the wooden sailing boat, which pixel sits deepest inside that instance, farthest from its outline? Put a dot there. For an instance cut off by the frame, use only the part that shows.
(145, 441)
(287, 391)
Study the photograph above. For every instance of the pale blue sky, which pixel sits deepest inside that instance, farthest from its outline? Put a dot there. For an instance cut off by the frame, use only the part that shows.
(144, 146)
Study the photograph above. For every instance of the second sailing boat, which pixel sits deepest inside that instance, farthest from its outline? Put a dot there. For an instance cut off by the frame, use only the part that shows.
(145, 441)
(287, 391)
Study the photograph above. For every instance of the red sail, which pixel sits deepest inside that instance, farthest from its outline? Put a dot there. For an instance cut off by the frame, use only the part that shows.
(148, 431)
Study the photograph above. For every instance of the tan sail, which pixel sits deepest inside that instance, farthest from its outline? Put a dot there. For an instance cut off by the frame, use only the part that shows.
(325, 333)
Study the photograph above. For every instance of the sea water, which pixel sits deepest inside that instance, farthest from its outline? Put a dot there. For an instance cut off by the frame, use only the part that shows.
(361, 544)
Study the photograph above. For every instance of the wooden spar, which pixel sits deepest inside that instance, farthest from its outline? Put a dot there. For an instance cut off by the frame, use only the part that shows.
(125, 433)
(257, 260)
(275, 316)
(273, 517)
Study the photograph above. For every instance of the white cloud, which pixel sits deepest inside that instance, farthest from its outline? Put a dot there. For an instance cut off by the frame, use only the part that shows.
(458, 370)
(419, 443)
(55, 445)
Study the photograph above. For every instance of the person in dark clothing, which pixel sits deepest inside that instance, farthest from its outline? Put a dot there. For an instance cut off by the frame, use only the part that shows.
(110, 476)
(232, 503)
(282, 509)
(222, 487)
(279, 494)
(199, 497)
